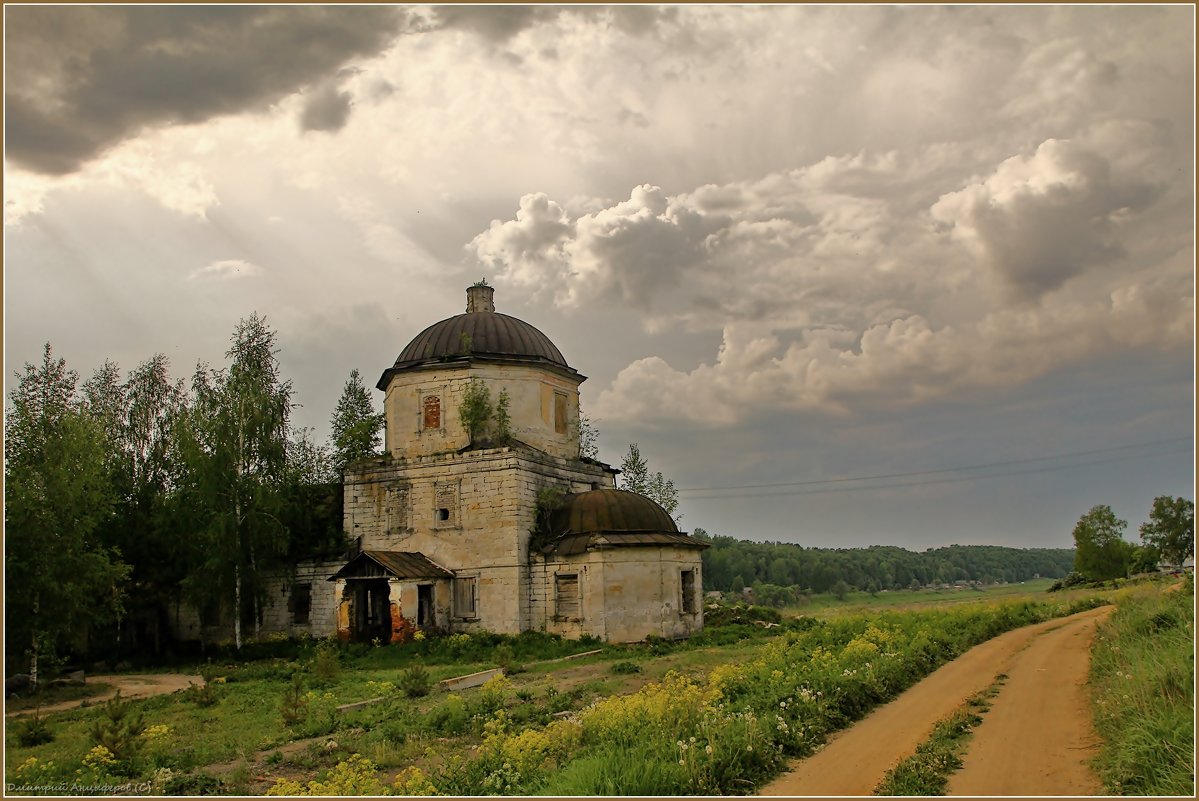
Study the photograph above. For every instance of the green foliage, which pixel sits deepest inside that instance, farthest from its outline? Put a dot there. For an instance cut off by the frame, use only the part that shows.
(1171, 528)
(475, 411)
(503, 419)
(635, 477)
(202, 695)
(1143, 694)
(119, 729)
(234, 446)
(326, 664)
(892, 568)
(59, 493)
(355, 427)
(294, 706)
(34, 730)
(416, 682)
(1100, 552)
(588, 438)
(626, 668)
(549, 500)
(840, 589)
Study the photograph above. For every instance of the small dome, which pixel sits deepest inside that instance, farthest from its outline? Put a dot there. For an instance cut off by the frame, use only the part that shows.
(611, 510)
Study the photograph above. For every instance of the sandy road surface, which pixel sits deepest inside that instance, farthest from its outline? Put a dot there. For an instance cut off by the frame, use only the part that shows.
(855, 761)
(1037, 737)
(131, 686)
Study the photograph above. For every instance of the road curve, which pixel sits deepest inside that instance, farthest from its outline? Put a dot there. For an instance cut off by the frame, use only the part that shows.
(855, 760)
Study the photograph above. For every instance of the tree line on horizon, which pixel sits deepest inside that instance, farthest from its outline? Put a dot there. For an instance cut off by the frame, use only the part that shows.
(125, 496)
(781, 572)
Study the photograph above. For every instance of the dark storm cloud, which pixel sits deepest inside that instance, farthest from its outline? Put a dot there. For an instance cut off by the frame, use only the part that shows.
(82, 79)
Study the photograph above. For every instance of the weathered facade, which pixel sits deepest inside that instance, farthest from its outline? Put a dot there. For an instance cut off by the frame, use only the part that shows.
(445, 532)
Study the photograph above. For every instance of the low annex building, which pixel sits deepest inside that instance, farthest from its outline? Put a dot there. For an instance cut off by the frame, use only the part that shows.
(513, 531)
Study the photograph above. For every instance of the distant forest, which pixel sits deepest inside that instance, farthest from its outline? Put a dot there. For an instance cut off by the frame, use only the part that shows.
(775, 567)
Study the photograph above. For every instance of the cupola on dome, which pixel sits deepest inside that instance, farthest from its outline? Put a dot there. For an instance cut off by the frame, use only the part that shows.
(481, 332)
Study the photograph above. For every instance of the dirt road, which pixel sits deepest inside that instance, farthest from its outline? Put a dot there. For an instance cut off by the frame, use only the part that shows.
(1046, 702)
(141, 685)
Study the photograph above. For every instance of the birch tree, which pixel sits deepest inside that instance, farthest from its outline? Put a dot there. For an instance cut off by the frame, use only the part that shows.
(60, 577)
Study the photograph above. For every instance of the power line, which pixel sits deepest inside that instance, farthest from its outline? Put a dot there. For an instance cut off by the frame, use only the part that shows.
(957, 479)
(987, 465)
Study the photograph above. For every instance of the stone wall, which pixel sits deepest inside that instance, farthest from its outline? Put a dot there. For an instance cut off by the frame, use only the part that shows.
(470, 513)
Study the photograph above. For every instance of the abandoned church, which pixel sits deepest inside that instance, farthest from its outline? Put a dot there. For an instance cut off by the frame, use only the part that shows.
(456, 531)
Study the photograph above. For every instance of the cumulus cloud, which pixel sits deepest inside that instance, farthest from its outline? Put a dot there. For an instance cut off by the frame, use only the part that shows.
(80, 79)
(1040, 220)
(855, 281)
(225, 270)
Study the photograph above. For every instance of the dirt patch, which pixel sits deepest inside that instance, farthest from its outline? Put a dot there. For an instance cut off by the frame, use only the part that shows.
(142, 685)
(855, 761)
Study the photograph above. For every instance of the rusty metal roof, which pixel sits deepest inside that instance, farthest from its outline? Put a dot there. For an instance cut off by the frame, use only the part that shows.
(610, 518)
(610, 510)
(397, 564)
(571, 544)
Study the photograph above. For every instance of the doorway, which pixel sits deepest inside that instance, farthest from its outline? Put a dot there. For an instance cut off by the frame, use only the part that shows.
(371, 610)
(424, 606)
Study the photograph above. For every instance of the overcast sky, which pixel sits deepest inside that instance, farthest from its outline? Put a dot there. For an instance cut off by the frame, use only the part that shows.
(790, 246)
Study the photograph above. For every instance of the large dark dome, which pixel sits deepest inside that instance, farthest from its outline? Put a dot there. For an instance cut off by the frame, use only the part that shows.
(482, 333)
(611, 510)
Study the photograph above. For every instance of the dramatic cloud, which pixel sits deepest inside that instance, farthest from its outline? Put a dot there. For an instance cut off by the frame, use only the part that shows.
(853, 281)
(327, 108)
(80, 79)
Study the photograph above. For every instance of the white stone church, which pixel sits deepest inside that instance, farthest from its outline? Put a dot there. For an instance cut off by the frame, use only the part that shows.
(443, 528)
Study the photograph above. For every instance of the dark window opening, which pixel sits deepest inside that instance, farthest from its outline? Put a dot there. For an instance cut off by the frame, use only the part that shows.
(299, 603)
(443, 514)
(687, 578)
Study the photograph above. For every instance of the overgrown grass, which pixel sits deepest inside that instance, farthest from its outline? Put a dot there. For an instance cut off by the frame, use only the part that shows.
(1143, 691)
(728, 732)
(927, 771)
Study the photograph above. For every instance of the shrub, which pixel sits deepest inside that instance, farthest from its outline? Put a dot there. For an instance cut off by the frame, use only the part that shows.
(415, 682)
(354, 776)
(450, 717)
(202, 695)
(33, 731)
(626, 667)
(326, 664)
(294, 705)
(192, 784)
(118, 730)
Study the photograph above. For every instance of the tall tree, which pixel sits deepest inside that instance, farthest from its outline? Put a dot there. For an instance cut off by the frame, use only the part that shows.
(355, 427)
(1100, 551)
(236, 448)
(1171, 528)
(58, 492)
(636, 477)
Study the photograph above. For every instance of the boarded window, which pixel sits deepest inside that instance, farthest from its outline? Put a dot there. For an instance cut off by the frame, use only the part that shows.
(397, 508)
(560, 420)
(299, 603)
(687, 586)
(431, 412)
(566, 596)
(465, 598)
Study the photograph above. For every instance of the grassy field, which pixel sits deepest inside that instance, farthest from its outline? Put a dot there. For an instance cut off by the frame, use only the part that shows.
(827, 605)
(541, 721)
(1143, 690)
